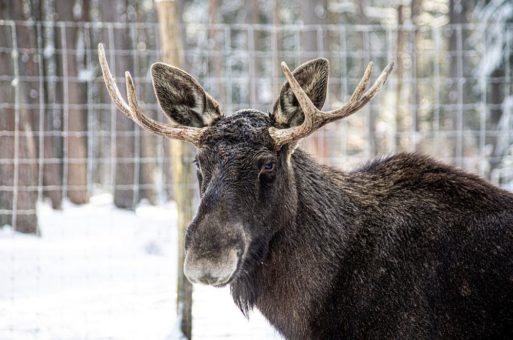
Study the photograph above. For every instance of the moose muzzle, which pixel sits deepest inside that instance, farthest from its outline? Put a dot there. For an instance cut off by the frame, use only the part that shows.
(214, 253)
(212, 270)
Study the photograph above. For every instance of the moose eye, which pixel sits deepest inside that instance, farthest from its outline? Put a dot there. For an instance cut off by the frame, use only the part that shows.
(268, 166)
(267, 173)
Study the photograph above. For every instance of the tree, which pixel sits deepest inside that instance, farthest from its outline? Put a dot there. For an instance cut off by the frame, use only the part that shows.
(217, 58)
(314, 13)
(491, 71)
(181, 159)
(125, 195)
(75, 88)
(457, 16)
(400, 111)
(276, 55)
(18, 149)
(52, 170)
(415, 95)
(372, 115)
(148, 147)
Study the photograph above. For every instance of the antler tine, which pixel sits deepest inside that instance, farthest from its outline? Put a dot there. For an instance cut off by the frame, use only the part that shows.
(358, 100)
(134, 112)
(362, 85)
(306, 104)
(138, 116)
(284, 136)
(110, 82)
(314, 118)
(190, 134)
(373, 90)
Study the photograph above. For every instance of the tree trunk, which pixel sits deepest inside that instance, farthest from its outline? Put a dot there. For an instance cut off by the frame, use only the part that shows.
(148, 149)
(457, 13)
(313, 13)
(217, 51)
(363, 19)
(276, 47)
(75, 121)
(125, 194)
(416, 11)
(400, 127)
(18, 149)
(252, 15)
(52, 169)
(181, 159)
(495, 100)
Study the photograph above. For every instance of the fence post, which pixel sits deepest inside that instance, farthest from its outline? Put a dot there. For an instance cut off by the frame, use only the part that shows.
(181, 156)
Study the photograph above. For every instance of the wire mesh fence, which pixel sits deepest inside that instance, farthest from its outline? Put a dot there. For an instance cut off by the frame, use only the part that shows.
(64, 135)
(62, 139)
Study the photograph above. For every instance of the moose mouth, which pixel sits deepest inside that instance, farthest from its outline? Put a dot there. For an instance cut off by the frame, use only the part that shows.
(213, 273)
(232, 277)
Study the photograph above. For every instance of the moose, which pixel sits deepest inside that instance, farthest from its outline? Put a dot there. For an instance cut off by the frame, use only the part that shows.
(404, 247)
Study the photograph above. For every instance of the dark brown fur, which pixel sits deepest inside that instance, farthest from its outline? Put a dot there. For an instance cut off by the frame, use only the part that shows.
(404, 247)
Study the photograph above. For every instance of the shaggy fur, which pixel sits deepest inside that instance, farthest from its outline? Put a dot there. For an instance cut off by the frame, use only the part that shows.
(402, 248)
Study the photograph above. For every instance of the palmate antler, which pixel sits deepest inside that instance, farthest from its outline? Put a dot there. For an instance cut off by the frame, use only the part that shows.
(315, 118)
(134, 112)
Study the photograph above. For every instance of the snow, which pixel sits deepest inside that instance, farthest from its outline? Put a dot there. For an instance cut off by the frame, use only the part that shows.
(177, 333)
(98, 272)
(86, 74)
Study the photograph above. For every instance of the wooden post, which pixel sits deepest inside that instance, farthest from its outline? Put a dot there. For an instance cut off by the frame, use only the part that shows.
(181, 159)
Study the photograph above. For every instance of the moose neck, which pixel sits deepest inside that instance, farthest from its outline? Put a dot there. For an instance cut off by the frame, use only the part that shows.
(311, 246)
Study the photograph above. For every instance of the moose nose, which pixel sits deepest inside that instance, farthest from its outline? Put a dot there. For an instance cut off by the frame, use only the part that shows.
(215, 271)
(209, 280)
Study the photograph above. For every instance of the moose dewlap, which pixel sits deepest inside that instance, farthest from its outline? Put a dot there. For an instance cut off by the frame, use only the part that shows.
(404, 247)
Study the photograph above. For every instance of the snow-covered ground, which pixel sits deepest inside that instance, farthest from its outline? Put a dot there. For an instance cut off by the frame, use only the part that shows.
(102, 273)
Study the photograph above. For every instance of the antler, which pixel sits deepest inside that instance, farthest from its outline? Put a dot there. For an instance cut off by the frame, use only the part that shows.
(134, 112)
(315, 118)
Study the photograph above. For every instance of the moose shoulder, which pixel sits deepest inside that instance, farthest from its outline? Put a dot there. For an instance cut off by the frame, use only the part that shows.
(404, 247)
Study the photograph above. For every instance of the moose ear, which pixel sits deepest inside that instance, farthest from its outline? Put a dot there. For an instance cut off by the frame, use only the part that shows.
(313, 78)
(182, 98)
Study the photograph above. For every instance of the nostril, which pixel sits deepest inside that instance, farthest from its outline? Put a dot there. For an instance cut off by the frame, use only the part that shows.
(239, 252)
(207, 279)
(215, 271)
(200, 275)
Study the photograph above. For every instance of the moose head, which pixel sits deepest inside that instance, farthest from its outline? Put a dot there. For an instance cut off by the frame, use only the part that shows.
(243, 160)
